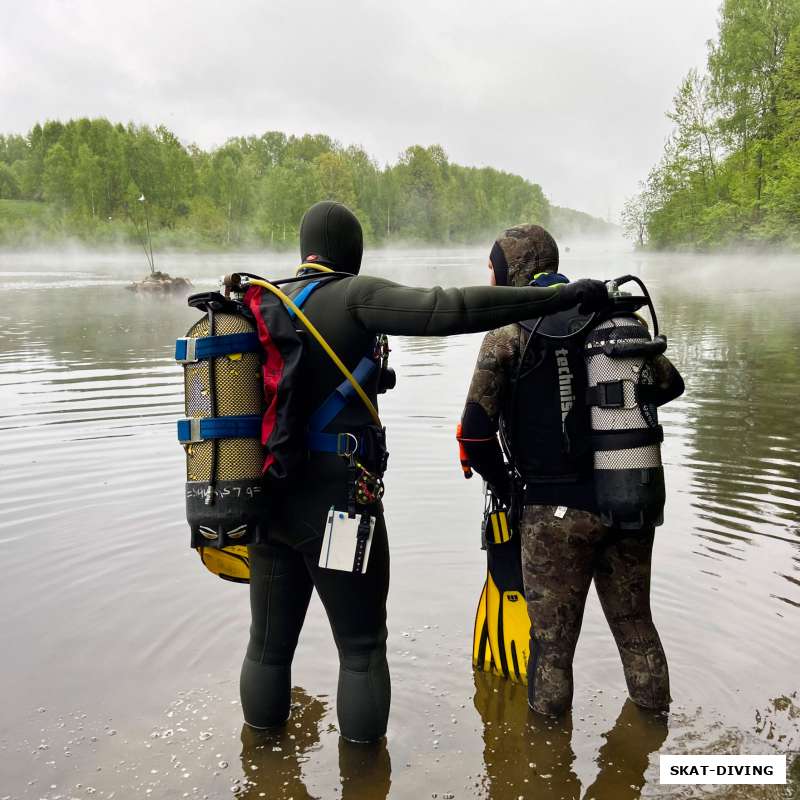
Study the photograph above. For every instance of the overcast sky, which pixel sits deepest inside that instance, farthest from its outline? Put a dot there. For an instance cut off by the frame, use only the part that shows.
(568, 93)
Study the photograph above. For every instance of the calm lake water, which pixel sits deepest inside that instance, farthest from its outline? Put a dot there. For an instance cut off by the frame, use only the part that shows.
(120, 654)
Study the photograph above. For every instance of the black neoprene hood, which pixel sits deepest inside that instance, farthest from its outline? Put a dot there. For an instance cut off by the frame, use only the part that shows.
(331, 234)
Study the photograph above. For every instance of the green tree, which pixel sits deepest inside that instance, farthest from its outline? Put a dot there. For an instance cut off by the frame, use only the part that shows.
(728, 172)
(636, 214)
(782, 193)
(421, 210)
(9, 185)
(57, 176)
(92, 173)
(88, 180)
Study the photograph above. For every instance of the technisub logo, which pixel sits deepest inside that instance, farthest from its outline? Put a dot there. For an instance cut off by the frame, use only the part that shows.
(564, 384)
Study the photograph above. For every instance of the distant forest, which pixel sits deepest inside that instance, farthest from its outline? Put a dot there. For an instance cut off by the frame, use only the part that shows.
(730, 172)
(105, 183)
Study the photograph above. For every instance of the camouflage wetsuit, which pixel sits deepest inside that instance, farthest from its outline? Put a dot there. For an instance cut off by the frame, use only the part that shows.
(561, 556)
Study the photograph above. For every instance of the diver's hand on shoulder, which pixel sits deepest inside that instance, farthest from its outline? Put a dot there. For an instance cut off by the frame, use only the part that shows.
(590, 294)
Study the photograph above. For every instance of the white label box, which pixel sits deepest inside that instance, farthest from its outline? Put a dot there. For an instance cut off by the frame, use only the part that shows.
(722, 769)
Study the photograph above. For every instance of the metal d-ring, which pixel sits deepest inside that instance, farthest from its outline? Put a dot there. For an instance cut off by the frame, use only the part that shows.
(345, 438)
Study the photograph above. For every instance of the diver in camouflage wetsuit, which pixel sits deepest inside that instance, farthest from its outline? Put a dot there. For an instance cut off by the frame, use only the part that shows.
(564, 543)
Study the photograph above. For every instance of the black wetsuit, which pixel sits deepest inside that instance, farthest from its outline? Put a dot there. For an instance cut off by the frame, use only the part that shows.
(348, 312)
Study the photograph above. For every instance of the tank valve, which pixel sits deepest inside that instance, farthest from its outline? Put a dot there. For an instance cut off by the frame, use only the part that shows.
(233, 284)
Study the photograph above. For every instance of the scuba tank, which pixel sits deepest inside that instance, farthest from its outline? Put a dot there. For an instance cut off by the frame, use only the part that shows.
(221, 433)
(626, 436)
(242, 433)
(582, 411)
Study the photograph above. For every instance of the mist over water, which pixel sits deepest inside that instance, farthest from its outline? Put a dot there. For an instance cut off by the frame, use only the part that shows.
(121, 654)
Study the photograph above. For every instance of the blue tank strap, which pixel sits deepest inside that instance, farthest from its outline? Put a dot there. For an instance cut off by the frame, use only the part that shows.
(329, 442)
(189, 350)
(245, 426)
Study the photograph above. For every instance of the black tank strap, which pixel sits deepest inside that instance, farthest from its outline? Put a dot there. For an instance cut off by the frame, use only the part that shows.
(626, 440)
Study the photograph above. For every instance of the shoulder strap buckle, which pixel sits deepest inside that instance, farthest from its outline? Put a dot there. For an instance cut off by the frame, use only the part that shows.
(609, 394)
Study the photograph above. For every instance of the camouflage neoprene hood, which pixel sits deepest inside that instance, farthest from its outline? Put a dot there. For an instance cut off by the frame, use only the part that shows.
(526, 250)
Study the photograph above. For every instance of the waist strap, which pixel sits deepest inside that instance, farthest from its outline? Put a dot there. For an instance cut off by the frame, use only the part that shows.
(625, 440)
(189, 349)
(245, 426)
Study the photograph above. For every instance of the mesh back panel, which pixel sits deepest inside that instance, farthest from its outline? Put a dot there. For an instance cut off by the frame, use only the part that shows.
(238, 384)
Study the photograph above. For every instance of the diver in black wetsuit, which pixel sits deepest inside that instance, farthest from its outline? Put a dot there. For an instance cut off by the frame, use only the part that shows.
(349, 312)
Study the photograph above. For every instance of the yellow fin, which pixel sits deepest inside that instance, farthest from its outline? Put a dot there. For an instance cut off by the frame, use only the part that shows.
(231, 563)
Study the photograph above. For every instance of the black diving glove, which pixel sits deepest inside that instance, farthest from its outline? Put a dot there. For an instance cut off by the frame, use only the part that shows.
(590, 294)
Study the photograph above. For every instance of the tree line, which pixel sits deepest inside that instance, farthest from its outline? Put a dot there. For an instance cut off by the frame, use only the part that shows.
(103, 182)
(730, 171)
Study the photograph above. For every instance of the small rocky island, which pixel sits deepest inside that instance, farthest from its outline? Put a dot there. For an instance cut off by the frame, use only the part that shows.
(160, 282)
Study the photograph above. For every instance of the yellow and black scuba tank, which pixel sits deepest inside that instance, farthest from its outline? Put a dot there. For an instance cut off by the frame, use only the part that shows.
(241, 432)
(240, 363)
(221, 434)
(626, 436)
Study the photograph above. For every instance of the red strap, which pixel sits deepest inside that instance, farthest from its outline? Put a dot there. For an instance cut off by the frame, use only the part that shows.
(272, 370)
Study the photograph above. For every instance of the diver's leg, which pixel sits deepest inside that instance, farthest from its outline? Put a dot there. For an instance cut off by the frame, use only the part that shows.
(622, 577)
(557, 566)
(356, 608)
(280, 589)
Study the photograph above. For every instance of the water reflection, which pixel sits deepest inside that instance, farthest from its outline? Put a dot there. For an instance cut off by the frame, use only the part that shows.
(273, 760)
(740, 361)
(102, 326)
(365, 770)
(427, 345)
(527, 755)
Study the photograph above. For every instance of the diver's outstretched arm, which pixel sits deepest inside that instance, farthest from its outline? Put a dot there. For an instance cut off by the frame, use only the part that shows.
(383, 306)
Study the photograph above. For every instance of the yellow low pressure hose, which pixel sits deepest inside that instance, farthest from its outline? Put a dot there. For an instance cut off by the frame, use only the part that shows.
(320, 339)
(318, 267)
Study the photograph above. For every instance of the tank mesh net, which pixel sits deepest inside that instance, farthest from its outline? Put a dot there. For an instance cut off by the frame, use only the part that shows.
(602, 369)
(238, 383)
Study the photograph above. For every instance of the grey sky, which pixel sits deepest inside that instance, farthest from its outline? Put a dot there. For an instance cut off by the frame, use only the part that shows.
(570, 94)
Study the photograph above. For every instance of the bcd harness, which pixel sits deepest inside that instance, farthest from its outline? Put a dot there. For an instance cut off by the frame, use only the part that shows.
(364, 450)
(580, 428)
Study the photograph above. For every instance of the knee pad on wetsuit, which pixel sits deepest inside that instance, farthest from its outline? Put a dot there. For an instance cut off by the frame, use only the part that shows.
(550, 685)
(363, 699)
(265, 690)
